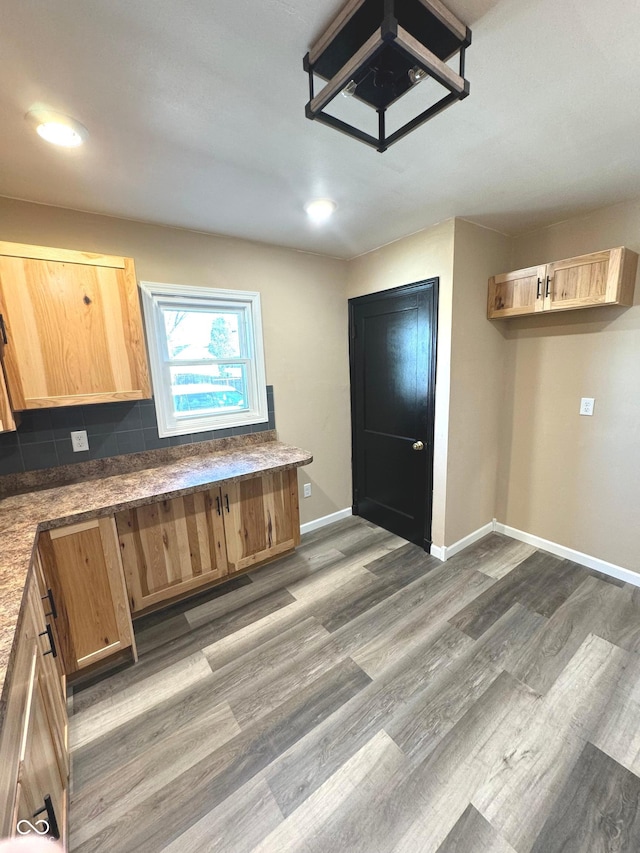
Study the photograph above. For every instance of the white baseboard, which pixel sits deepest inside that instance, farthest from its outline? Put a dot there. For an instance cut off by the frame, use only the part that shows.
(446, 551)
(569, 554)
(317, 523)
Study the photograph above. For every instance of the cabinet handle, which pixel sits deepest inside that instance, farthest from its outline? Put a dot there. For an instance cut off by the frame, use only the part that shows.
(52, 651)
(226, 500)
(52, 604)
(3, 331)
(53, 831)
(539, 293)
(548, 293)
(218, 507)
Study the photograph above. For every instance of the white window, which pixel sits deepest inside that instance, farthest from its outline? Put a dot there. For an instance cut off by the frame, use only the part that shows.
(207, 360)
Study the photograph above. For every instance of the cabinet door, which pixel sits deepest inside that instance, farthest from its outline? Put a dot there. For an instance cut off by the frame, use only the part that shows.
(41, 794)
(18, 693)
(73, 326)
(7, 420)
(261, 518)
(516, 293)
(172, 547)
(82, 567)
(602, 278)
(50, 675)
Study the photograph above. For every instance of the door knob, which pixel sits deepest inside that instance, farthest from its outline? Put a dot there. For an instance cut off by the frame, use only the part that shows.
(418, 445)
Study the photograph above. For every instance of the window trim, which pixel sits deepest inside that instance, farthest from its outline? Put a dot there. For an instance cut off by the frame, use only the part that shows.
(155, 295)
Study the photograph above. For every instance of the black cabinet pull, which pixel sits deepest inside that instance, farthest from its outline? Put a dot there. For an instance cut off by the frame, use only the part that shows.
(548, 293)
(48, 809)
(3, 331)
(52, 604)
(52, 651)
(539, 293)
(226, 500)
(218, 507)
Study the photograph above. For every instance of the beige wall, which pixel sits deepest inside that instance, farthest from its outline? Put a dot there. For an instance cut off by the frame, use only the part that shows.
(571, 479)
(477, 382)
(509, 441)
(423, 255)
(304, 317)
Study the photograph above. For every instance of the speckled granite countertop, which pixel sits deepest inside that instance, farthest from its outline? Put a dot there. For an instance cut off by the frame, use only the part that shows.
(23, 515)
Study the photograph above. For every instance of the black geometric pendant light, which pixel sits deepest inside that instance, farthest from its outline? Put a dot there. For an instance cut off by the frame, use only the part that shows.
(376, 51)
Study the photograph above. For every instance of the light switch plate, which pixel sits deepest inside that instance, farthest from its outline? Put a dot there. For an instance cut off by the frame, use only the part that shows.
(586, 406)
(79, 440)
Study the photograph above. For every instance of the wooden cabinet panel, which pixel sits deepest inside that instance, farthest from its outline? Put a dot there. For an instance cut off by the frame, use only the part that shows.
(172, 547)
(50, 674)
(82, 566)
(41, 794)
(13, 726)
(74, 328)
(601, 278)
(261, 518)
(516, 293)
(33, 748)
(7, 419)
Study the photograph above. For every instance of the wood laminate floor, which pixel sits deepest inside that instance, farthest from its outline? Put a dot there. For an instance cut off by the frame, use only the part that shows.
(360, 695)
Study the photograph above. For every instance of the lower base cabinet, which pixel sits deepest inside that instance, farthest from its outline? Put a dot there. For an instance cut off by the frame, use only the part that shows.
(173, 547)
(83, 572)
(33, 748)
(85, 581)
(261, 519)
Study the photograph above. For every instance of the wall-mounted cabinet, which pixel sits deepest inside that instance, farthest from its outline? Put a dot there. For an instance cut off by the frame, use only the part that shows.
(7, 419)
(83, 571)
(601, 278)
(73, 328)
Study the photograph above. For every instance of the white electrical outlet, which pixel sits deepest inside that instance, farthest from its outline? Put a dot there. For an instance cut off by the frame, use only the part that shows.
(79, 440)
(307, 490)
(586, 406)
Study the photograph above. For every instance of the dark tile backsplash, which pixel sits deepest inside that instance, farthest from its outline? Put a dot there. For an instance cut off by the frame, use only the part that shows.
(113, 429)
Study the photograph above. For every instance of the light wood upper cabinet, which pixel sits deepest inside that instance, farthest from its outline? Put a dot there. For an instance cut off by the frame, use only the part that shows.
(172, 547)
(516, 293)
(261, 518)
(82, 567)
(73, 327)
(601, 278)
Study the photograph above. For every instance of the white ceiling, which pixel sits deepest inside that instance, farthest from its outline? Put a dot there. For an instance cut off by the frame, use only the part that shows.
(196, 116)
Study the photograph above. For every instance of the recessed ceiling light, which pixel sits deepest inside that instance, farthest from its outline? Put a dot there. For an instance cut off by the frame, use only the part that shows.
(58, 128)
(320, 210)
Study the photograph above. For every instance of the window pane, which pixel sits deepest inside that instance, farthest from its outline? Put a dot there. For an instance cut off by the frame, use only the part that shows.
(209, 388)
(194, 335)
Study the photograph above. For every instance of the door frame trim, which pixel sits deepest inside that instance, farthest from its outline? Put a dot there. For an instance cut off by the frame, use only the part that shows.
(426, 285)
